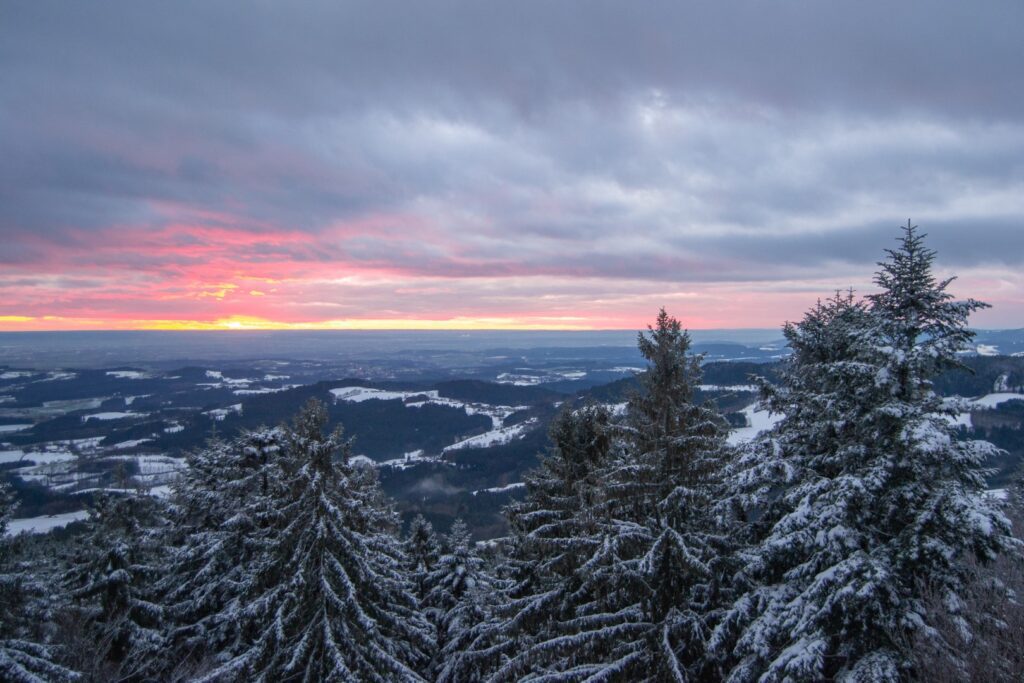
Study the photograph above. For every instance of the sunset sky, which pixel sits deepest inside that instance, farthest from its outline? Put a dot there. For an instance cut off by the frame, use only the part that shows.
(498, 165)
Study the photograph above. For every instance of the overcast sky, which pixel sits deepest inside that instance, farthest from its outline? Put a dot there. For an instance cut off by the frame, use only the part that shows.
(533, 164)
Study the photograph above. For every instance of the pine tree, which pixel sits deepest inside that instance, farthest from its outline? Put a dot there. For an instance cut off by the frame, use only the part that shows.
(220, 514)
(862, 494)
(460, 589)
(330, 600)
(423, 550)
(111, 581)
(23, 657)
(622, 570)
(554, 534)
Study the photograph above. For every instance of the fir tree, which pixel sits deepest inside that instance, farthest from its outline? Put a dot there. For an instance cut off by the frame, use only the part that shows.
(423, 550)
(111, 581)
(862, 494)
(330, 600)
(623, 567)
(554, 534)
(23, 657)
(460, 589)
(221, 514)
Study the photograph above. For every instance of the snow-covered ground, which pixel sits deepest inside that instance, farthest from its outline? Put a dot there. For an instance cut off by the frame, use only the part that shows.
(41, 525)
(127, 374)
(15, 374)
(529, 377)
(742, 388)
(112, 416)
(219, 414)
(759, 420)
(993, 400)
(360, 394)
(495, 437)
(7, 429)
(498, 414)
(501, 489)
(38, 457)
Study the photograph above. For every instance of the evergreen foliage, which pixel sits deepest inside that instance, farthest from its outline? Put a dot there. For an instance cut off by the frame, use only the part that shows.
(111, 584)
(422, 549)
(330, 601)
(23, 658)
(862, 495)
(221, 516)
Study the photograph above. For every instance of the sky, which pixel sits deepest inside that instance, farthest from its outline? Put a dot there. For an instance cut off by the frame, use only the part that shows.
(516, 164)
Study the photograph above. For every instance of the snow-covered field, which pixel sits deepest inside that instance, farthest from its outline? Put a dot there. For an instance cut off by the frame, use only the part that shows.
(127, 374)
(38, 457)
(7, 429)
(112, 416)
(495, 437)
(498, 414)
(501, 489)
(759, 420)
(993, 400)
(41, 525)
(219, 414)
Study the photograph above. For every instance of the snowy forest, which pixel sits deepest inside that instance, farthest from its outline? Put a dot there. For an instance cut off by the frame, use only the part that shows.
(852, 541)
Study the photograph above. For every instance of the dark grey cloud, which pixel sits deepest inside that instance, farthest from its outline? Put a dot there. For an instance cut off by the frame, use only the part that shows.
(671, 141)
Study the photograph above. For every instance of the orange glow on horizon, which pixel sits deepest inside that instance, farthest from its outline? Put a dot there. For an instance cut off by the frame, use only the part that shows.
(235, 323)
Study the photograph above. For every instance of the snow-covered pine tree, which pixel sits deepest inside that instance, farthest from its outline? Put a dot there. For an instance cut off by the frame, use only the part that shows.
(673, 442)
(668, 482)
(422, 549)
(221, 513)
(111, 581)
(460, 591)
(631, 597)
(862, 494)
(554, 532)
(23, 658)
(330, 601)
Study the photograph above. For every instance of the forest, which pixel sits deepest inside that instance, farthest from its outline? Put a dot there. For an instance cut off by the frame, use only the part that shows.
(852, 541)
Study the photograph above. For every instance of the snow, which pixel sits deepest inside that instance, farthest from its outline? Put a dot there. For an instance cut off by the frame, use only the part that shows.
(495, 437)
(501, 489)
(758, 421)
(215, 374)
(360, 394)
(127, 374)
(59, 376)
(219, 414)
(41, 525)
(997, 494)
(993, 400)
(15, 374)
(38, 457)
(131, 443)
(625, 368)
(111, 416)
(272, 378)
(748, 388)
(618, 409)
(75, 404)
(7, 429)
(174, 428)
(128, 400)
(251, 392)
(987, 350)
(518, 380)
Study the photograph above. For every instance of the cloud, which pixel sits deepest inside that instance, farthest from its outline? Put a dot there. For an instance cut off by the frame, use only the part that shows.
(477, 159)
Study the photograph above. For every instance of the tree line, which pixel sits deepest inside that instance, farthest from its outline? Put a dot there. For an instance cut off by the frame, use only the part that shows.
(853, 541)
